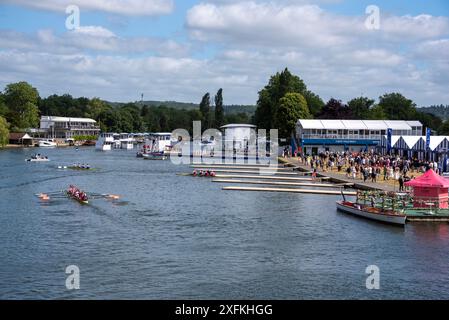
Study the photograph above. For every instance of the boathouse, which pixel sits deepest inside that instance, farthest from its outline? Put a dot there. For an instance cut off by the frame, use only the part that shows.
(20, 138)
(429, 191)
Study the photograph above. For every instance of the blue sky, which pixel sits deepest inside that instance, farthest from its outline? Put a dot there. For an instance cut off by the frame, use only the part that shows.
(178, 50)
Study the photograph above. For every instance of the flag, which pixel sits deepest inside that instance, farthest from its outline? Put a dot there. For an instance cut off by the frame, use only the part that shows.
(428, 132)
(293, 144)
(389, 135)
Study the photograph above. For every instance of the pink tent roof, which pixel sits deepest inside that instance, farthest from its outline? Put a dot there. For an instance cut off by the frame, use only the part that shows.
(429, 179)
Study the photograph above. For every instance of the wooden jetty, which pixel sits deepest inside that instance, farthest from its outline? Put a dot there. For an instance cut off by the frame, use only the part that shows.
(240, 167)
(219, 163)
(229, 176)
(280, 183)
(261, 171)
(292, 190)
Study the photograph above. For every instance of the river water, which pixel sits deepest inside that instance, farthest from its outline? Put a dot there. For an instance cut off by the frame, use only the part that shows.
(177, 237)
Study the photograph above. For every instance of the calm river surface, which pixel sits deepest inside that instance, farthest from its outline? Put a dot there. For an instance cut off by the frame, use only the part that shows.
(177, 237)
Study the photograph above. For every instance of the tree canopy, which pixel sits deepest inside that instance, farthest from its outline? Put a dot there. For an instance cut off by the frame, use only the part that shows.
(269, 97)
(292, 106)
(4, 132)
(21, 100)
(219, 111)
(205, 110)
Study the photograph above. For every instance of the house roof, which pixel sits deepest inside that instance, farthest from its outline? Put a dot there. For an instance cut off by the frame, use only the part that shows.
(66, 119)
(238, 125)
(411, 141)
(19, 135)
(429, 179)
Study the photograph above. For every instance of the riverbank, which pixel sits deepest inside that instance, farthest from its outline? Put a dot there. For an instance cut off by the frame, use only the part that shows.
(340, 177)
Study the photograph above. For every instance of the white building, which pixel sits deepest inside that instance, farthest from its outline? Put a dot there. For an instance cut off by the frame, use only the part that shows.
(67, 128)
(238, 136)
(316, 136)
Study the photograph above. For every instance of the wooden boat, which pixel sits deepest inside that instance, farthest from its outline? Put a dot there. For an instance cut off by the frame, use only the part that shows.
(377, 214)
(77, 199)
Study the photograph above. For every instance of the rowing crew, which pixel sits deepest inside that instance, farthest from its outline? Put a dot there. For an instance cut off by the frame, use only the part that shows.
(77, 193)
(203, 173)
(81, 166)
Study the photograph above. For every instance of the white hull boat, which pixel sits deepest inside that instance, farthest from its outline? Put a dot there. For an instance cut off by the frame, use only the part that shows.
(47, 144)
(154, 156)
(376, 214)
(104, 142)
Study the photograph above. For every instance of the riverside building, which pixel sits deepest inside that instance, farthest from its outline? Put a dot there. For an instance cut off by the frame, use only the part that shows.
(317, 136)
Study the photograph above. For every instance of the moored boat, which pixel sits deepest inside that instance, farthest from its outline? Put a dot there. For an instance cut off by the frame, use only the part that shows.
(154, 156)
(48, 143)
(377, 214)
(105, 142)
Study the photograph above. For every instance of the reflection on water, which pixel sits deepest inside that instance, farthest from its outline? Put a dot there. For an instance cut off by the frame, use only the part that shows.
(178, 237)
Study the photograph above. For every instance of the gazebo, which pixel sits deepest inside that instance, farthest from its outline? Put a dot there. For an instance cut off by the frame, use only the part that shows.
(429, 191)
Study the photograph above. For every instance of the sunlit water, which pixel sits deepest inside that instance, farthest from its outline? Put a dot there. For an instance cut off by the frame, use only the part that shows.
(177, 237)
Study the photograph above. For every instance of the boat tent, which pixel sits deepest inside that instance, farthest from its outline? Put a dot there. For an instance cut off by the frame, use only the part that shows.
(429, 191)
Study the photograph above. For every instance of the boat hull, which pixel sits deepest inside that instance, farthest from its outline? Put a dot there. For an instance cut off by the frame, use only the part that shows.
(76, 199)
(398, 220)
(154, 156)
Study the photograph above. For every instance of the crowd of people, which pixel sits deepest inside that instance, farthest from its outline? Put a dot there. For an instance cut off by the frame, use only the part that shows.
(369, 166)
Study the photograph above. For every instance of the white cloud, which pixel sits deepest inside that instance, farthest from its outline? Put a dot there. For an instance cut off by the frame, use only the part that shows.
(94, 31)
(121, 7)
(85, 38)
(334, 54)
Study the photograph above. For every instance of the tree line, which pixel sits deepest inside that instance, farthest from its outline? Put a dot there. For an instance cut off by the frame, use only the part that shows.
(285, 99)
(21, 108)
(280, 104)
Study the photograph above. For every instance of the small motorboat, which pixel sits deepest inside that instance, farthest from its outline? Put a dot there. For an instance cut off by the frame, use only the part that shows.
(385, 216)
(154, 156)
(49, 143)
(37, 158)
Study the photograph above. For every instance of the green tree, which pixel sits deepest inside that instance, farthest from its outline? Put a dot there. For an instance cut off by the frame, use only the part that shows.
(443, 130)
(397, 107)
(95, 107)
(293, 106)
(314, 102)
(4, 132)
(219, 110)
(21, 99)
(360, 107)
(376, 113)
(205, 110)
(3, 108)
(269, 97)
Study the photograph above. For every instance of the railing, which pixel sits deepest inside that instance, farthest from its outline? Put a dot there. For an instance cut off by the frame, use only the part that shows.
(77, 127)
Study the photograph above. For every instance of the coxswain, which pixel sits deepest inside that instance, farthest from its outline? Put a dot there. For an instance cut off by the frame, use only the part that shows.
(194, 173)
(212, 174)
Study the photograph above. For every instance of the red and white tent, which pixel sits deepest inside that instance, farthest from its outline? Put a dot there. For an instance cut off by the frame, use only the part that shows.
(429, 190)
